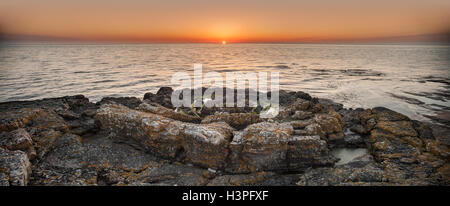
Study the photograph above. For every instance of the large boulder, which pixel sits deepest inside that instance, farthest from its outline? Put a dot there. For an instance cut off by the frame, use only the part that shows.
(18, 139)
(162, 97)
(15, 168)
(44, 126)
(404, 148)
(100, 160)
(259, 147)
(205, 145)
(331, 124)
(273, 147)
(308, 151)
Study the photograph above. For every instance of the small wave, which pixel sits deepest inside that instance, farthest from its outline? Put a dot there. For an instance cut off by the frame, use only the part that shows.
(81, 72)
(361, 72)
(125, 66)
(104, 81)
(372, 79)
(225, 70)
(434, 79)
(276, 67)
(134, 83)
(407, 99)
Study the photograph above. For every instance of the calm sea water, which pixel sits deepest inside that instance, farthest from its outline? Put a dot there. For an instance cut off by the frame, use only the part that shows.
(411, 79)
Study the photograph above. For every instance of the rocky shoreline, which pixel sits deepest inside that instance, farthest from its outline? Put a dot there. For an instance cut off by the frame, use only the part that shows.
(130, 141)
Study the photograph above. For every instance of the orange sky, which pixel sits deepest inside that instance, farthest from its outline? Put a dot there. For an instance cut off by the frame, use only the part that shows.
(231, 20)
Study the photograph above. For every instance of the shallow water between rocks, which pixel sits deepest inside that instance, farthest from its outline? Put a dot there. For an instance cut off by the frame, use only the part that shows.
(348, 154)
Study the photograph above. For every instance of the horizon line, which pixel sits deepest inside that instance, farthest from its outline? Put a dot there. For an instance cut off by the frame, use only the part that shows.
(443, 37)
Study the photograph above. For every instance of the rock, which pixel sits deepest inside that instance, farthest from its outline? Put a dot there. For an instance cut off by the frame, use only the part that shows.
(330, 104)
(126, 141)
(261, 146)
(165, 91)
(15, 168)
(89, 112)
(130, 102)
(4, 179)
(297, 105)
(353, 140)
(393, 136)
(43, 126)
(357, 128)
(308, 151)
(300, 124)
(317, 119)
(149, 96)
(14, 119)
(384, 114)
(49, 120)
(205, 144)
(330, 122)
(423, 130)
(272, 147)
(398, 128)
(287, 98)
(254, 179)
(83, 126)
(317, 107)
(440, 132)
(45, 130)
(165, 174)
(301, 115)
(68, 114)
(387, 146)
(44, 141)
(444, 174)
(169, 113)
(76, 104)
(312, 129)
(400, 146)
(436, 148)
(328, 125)
(102, 161)
(162, 97)
(64, 177)
(360, 171)
(236, 120)
(18, 139)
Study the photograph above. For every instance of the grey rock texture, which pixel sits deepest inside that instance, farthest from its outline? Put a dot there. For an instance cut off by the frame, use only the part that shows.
(129, 141)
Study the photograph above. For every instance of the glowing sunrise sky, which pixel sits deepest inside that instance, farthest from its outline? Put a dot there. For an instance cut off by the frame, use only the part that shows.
(231, 20)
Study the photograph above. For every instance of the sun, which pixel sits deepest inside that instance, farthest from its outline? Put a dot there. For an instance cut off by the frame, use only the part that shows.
(224, 42)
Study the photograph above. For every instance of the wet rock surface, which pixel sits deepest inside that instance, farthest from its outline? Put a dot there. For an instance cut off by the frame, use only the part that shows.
(129, 141)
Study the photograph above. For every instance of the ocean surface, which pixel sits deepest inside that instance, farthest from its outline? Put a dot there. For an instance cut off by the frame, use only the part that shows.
(411, 79)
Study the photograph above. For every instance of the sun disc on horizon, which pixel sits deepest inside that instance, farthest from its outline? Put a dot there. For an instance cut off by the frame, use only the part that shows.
(224, 42)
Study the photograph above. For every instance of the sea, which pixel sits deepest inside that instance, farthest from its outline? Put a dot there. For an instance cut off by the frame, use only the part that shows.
(410, 79)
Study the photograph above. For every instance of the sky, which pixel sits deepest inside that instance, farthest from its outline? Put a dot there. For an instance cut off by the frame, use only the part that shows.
(217, 20)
